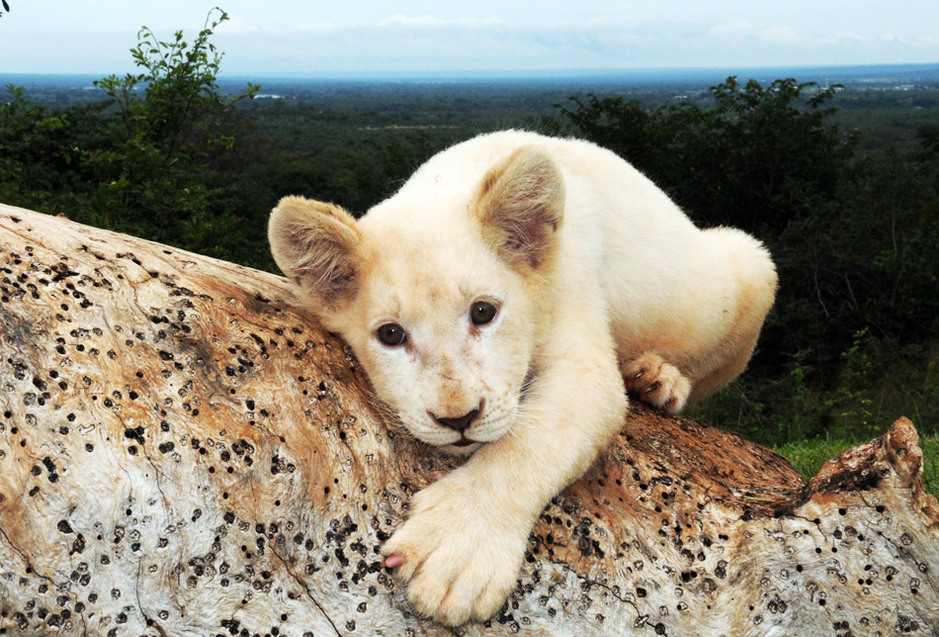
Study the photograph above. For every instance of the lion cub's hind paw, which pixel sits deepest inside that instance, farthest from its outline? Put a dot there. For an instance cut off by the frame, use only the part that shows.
(651, 379)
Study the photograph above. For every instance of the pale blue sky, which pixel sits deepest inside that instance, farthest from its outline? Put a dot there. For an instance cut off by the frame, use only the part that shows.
(315, 36)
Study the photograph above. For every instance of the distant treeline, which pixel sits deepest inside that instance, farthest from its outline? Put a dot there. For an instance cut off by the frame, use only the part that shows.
(842, 185)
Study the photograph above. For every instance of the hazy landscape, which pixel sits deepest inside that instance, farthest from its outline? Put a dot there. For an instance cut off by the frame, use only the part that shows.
(887, 101)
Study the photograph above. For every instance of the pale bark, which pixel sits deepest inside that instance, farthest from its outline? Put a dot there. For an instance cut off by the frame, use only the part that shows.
(183, 451)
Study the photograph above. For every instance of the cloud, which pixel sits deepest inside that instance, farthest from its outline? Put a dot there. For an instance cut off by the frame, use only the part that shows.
(239, 26)
(737, 29)
(433, 22)
(778, 34)
(844, 38)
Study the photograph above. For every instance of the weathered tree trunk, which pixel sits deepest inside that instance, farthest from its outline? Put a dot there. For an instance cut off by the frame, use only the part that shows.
(184, 452)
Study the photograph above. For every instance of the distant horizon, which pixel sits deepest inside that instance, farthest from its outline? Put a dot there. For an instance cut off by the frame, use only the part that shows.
(538, 74)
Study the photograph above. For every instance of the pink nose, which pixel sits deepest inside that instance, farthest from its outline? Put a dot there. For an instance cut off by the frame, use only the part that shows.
(459, 424)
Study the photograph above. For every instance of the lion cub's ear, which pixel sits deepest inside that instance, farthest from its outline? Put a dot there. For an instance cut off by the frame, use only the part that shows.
(520, 205)
(314, 244)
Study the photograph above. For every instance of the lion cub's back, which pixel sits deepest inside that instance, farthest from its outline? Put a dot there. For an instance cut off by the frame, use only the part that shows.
(601, 186)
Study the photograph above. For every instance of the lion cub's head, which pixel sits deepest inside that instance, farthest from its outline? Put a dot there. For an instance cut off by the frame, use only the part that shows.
(441, 290)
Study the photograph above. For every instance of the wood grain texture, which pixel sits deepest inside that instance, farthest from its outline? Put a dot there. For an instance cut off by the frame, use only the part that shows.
(183, 451)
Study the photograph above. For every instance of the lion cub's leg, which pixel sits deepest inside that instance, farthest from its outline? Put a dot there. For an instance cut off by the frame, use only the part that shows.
(727, 367)
(702, 360)
(656, 381)
(755, 281)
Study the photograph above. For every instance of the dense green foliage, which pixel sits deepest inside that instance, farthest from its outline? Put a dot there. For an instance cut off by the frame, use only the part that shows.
(851, 218)
(162, 152)
(156, 158)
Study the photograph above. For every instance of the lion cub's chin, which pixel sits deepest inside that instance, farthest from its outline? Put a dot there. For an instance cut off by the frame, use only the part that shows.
(466, 445)
(462, 448)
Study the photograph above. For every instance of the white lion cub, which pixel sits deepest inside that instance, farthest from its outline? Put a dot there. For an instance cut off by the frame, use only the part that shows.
(497, 302)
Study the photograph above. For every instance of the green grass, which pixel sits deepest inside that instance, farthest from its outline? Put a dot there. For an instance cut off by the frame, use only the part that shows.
(807, 457)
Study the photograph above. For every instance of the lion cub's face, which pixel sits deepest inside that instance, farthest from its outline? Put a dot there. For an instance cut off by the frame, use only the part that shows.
(446, 336)
(444, 314)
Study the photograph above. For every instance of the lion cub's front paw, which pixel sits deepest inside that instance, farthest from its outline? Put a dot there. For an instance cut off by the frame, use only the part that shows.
(657, 382)
(459, 557)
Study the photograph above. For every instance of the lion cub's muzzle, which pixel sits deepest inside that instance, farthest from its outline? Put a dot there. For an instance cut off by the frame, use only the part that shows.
(460, 424)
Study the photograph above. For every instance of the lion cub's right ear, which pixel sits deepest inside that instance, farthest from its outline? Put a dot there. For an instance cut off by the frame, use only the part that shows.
(314, 244)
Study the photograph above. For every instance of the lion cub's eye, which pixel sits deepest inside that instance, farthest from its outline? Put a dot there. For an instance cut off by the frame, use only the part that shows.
(391, 334)
(482, 312)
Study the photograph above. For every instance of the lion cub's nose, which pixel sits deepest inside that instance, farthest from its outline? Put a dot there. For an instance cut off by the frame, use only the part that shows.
(459, 424)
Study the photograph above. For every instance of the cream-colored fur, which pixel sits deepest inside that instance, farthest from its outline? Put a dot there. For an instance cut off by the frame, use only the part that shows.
(594, 276)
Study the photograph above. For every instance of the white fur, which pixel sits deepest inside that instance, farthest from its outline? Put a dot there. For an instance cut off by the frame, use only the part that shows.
(622, 287)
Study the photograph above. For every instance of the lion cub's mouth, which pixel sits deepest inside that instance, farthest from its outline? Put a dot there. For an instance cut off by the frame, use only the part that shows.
(463, 447)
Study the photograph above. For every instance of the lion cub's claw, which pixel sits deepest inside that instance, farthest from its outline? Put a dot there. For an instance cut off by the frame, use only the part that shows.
(456, 567)
(657, 382)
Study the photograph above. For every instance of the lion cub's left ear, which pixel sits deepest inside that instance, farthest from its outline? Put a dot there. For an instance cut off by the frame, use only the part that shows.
(520, 206)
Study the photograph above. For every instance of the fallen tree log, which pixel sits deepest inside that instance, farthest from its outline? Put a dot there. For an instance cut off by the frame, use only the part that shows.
(184, 452)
